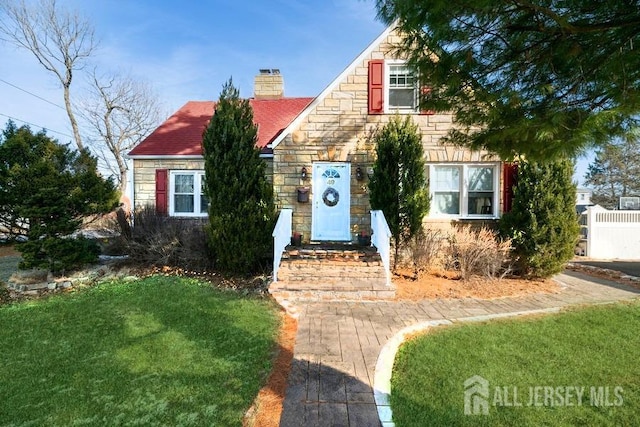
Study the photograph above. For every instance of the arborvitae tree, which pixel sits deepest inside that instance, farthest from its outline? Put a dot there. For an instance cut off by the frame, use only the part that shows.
(241, 209)
(46, 190)
(615, 171)
(543, 222)
(398, 186)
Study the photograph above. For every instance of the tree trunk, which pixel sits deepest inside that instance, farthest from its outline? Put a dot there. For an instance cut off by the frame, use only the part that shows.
(72, 119)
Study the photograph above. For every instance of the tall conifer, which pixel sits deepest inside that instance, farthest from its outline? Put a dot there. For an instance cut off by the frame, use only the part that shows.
(543, 222)
(398, 185)
(241, 208)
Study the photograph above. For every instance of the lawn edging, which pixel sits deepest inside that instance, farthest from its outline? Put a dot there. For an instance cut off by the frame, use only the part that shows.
(387, 355)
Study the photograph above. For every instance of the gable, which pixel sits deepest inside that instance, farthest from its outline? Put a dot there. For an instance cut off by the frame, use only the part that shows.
(349, 70)
(181, 134)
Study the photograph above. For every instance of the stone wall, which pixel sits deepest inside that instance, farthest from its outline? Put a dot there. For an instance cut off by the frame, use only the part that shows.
(144, 171)
(144, 176)
(338, 129)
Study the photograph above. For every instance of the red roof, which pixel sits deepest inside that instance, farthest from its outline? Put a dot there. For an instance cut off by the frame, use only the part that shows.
(181, 134)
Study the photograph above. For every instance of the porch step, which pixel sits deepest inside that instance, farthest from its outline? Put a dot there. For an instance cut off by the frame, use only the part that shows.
(330, 272)
(336, 251)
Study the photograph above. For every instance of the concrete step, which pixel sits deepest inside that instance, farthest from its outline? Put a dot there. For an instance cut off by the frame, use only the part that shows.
(346, 252)
(296, 271)
(332, 284)
(328, 272)
(331, 295)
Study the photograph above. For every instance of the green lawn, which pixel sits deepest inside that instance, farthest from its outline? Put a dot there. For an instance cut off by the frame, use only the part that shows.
(580, 367)
(159, 351)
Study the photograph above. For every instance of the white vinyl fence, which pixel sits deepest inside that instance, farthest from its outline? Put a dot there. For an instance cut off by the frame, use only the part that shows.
(613, 234)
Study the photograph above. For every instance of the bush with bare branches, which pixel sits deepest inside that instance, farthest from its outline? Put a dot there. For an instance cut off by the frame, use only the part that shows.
(479, 252)
(164, 241)
(424, 250)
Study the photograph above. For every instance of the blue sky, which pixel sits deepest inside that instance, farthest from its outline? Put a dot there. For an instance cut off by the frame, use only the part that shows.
(186, 51)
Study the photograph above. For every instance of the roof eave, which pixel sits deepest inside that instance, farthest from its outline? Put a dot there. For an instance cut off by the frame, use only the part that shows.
(164, 156)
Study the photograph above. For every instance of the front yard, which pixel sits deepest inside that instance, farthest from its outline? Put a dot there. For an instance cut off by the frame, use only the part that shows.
(575, 368)
(157, 351)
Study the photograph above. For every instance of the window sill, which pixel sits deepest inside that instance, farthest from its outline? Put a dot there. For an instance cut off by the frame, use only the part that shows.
(463, 218)
(402, 111)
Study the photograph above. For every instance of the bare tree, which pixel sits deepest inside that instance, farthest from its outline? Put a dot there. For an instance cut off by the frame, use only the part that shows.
(60, 40)
(121, 111)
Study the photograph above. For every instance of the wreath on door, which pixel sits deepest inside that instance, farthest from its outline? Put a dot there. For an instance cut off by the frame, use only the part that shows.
(330, 197)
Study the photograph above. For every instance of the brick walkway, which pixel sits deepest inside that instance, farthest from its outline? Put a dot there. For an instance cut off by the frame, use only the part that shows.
(337, 344)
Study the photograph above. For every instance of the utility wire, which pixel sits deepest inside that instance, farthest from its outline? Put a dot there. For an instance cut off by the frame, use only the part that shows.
(40, 98)
(33, 94)
(37, 126)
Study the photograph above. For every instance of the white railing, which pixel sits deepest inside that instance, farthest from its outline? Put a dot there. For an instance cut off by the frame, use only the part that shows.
(281, 238)
(381, 239)
(613, 234)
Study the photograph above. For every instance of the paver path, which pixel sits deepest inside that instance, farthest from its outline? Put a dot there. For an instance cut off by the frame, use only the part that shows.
(337, 344)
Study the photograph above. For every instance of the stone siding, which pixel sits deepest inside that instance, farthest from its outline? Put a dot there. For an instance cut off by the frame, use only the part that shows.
(144, 171)
(144, 176)
(338, 129)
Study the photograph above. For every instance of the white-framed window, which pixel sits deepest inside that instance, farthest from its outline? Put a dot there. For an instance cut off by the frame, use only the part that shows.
(401, 86)
(464, 190)
(186, 194)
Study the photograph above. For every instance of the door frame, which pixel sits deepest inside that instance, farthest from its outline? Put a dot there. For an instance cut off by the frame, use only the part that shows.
(317, 199)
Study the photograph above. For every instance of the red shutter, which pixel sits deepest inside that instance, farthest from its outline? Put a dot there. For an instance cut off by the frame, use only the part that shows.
(376, 86)
(162, 196)
(425, 91)
(510, 177)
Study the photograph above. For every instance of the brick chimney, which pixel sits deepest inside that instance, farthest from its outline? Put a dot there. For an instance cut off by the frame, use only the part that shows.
(268, 84)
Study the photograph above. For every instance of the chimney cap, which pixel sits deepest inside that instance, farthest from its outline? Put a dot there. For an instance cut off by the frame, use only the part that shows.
(269, 71)
(269, 84)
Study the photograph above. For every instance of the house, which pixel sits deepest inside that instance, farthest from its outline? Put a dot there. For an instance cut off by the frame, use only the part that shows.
(319, 153)
(583, 199)
(168, 166)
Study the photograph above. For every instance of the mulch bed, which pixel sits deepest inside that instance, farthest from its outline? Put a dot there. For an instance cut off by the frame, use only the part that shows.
(447, 284)
(267, 408)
